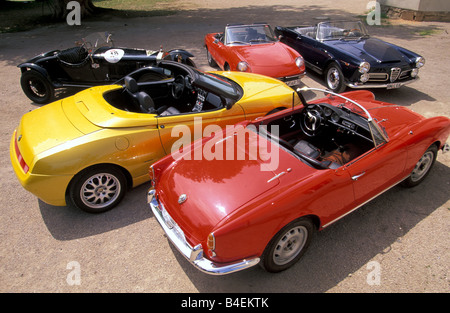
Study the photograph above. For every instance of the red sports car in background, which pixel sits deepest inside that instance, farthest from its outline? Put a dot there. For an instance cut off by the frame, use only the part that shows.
(329, 157)
(254, 48)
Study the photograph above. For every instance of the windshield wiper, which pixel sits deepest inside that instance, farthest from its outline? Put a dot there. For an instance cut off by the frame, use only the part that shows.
(260, 40)
(237, 41)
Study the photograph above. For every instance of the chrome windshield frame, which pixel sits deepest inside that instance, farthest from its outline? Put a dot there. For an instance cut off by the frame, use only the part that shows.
(370, 120)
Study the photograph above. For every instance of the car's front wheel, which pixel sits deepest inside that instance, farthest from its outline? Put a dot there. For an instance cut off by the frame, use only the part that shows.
(98, 189)
(36, 87)
(288, 245)
(334, 78)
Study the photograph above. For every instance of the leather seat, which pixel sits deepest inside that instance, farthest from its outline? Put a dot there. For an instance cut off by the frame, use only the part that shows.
(307, 149)
(169, 111)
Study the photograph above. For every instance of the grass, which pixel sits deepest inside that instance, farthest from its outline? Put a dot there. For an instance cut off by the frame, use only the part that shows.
(24, 15)
(428, 32)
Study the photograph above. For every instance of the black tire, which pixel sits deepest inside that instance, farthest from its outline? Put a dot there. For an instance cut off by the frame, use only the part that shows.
(98, 189)
(288, 245)
(36, 87)
(211, 61)
(422, 168)
(334, 79)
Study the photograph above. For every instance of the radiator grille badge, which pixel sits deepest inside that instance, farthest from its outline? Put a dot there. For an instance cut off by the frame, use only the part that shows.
(395, 73)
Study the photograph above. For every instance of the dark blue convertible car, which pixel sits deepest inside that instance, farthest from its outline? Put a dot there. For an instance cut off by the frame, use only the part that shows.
(345, 54)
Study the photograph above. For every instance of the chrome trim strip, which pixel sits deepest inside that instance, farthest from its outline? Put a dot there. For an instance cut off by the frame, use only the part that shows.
(357, 207)
(369, 117)
(446, 148)
(195, 254)
(362, 86)
(276, 176)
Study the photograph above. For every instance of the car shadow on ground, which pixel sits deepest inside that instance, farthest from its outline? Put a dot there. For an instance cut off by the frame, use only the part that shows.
(69, 223)
(404, 95)
(342, 248)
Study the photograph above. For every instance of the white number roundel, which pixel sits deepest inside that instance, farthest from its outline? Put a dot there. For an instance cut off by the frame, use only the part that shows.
(114, 55)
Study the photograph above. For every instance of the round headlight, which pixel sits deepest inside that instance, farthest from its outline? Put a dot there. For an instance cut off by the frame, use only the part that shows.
(414, 72)
(242, 66)
(420, 61)
(364, 67)
(364, 77)
(299, 61)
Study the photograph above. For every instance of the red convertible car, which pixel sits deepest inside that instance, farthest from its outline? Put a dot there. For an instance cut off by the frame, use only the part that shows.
(254, 48)
(333, 155)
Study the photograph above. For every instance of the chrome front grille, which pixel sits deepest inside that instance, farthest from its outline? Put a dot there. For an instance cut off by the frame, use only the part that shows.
(395, 73)
(378, 77)
(405, 74)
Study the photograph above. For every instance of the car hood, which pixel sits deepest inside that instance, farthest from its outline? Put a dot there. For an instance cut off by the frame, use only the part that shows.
(271, 59)
(371, 50)
(261, 92)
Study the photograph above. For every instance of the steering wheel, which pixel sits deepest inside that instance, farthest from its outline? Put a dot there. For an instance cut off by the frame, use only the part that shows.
(347, 32)
(311, 120)
(178, 87)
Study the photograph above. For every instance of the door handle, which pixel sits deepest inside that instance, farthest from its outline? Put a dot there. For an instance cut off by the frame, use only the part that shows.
(358, 176)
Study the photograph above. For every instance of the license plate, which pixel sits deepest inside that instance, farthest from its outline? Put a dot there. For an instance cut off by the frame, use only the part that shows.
(394, 85)
(293, 82)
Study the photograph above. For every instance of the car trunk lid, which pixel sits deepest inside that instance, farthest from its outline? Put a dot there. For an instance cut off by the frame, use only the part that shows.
(213, 189)
(46, 128)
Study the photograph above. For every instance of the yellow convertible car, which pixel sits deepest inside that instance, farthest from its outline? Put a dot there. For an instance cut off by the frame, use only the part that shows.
(90, 148)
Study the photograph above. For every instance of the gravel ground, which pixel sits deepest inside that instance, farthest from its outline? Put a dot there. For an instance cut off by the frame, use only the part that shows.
(402, 236)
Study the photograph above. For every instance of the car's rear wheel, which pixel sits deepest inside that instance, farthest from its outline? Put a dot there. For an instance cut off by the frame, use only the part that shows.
(422, 168)
(98, 189)
(288, 245)
(334, 78)
(36, 87)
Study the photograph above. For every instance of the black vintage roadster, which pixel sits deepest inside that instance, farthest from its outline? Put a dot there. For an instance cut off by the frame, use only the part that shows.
(94, 61)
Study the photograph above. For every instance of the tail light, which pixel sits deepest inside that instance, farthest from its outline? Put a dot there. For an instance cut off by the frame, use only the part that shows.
(211, 244)
(19, 156)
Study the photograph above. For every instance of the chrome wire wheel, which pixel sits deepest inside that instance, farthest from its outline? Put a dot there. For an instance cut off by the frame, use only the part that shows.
(422, 167)
(290, 245)
(100, 190)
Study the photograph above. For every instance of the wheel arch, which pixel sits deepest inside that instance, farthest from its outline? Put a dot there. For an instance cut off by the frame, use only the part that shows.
(124, 171)
(31, 66)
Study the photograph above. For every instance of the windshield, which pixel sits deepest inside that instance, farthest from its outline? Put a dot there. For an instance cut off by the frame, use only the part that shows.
(341, 30)
(219, 84)
(97, 40)
(249, 34)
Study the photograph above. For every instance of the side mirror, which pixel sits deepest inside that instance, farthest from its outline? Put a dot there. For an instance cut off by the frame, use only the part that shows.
(227, 103)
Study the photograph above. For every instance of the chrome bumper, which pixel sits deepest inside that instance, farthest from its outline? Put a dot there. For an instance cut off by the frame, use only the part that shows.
(388, 86)
(446, 148)
(195, 254)
(292, 80)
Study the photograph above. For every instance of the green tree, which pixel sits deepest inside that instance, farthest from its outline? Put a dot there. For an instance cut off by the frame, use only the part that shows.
(60, 10)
